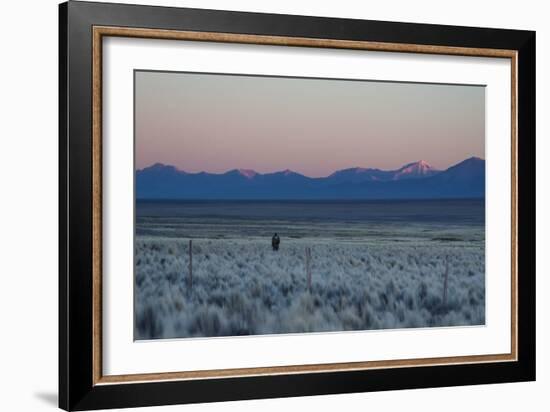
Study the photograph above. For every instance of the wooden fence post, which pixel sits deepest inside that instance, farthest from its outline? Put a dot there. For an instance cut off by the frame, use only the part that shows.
(445, 280)
(190, 263)
(308, 268)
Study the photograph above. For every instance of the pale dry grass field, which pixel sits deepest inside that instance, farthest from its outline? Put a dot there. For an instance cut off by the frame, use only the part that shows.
(242, 287)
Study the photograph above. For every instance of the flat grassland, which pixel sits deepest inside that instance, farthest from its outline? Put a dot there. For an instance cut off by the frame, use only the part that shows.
(363, 277)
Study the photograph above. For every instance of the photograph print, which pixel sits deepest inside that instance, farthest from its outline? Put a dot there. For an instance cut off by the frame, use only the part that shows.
(284, 205)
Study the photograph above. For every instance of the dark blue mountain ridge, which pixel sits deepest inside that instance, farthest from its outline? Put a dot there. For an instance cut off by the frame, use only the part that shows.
(416, 180)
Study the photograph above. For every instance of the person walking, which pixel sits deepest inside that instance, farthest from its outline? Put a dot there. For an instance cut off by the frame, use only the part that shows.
(275, 240)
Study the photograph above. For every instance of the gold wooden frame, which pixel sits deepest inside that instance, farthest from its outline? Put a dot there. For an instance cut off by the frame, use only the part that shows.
(101, 31)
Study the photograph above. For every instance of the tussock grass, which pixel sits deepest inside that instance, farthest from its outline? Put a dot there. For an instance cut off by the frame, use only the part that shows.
(242, 287)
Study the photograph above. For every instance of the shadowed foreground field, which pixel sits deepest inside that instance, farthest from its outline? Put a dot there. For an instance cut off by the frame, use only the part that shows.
(242, 287)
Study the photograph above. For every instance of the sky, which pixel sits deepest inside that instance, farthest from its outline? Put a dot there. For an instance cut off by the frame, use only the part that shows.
(215, 123)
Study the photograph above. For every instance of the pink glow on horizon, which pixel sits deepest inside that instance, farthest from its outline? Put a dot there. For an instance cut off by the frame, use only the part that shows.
(217, 123)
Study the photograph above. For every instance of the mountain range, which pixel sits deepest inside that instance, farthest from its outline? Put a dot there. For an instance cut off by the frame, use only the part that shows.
(417, 180)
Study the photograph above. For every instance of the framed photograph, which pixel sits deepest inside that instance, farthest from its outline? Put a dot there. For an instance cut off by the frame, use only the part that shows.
(256, 205)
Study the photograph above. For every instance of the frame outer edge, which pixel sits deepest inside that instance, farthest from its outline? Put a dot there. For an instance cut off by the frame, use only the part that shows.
(63, 375)
(78, 216)
(77, 359)
(527, 206)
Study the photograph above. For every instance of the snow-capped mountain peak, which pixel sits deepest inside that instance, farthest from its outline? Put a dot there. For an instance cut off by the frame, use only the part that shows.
(415, 169)
(248, 173)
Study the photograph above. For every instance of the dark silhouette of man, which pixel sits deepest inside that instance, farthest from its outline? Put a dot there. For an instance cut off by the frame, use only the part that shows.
(275, 240)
